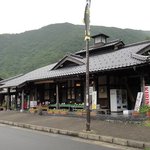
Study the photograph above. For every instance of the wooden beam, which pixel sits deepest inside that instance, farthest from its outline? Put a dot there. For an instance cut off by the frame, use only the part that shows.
(44, 81)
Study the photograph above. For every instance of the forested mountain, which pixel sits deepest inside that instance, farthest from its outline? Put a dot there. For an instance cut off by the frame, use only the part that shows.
(21, 53)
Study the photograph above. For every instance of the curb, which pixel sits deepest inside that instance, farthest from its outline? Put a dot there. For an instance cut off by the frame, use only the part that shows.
(107, 139)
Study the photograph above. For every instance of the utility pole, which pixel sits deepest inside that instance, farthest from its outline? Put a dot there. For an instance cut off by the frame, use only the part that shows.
(88, 118)
(87, 39)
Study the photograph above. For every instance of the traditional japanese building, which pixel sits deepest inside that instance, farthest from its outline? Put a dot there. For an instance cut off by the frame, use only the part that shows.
(117, 73)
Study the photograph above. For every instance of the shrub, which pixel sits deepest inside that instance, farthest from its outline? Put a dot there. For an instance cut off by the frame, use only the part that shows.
(144, 109)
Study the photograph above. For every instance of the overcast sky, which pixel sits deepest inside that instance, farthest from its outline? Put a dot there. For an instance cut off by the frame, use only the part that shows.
(22, 15)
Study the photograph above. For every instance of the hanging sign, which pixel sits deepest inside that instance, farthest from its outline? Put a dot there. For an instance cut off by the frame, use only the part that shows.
(147, 95)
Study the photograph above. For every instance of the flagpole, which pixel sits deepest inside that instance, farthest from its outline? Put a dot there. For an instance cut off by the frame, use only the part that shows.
(87, 39)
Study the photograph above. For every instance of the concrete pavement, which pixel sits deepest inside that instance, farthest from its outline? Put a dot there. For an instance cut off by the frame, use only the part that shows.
(121, 133)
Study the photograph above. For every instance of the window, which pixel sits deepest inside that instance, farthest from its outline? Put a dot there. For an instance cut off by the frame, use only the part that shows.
(63, 92)
(97, 40)
(71, 90)
(74, 91)
(50, 93)
(78, 92)
(71, 93)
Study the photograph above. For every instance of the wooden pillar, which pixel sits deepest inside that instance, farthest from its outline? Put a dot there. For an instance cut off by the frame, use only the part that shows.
(108, 90)
(16, 96)
(57, 96)
(84, 95)
(8, 99)
(35, 94)
(143, 88)
(22, 101)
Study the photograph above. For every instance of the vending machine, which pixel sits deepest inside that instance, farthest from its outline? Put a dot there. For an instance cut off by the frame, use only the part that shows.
(118, 100)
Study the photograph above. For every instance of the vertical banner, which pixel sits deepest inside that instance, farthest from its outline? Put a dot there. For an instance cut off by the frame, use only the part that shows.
(138, 101)
(94, 100)
(147, 95)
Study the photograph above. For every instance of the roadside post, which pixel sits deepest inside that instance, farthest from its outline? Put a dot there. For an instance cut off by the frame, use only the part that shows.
(87, 39)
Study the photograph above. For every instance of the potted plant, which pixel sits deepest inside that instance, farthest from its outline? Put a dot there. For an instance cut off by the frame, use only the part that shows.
(56, 111)
(80, 112)
(148, 112)
(145, 109)
(50, 111)
(135, 113)
(33, 110)
(64, 111)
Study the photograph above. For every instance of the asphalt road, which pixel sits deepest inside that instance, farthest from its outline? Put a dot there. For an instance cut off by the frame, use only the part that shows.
(22, 139)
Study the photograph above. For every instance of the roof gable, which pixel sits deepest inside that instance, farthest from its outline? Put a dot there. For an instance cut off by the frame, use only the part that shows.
(69, 60)
(143, 54)
(145, 51)
(112, 45)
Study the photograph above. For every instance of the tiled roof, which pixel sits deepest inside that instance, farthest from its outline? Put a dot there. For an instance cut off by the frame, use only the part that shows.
(115, 59)
(2, 82)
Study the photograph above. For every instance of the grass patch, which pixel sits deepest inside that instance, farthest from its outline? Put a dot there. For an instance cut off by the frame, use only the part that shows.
(147, 123)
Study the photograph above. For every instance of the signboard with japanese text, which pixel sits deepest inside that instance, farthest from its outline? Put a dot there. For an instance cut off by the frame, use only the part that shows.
(91, 90)
(138, 101)
(33, 103)
(94, 100)
(147, 95)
